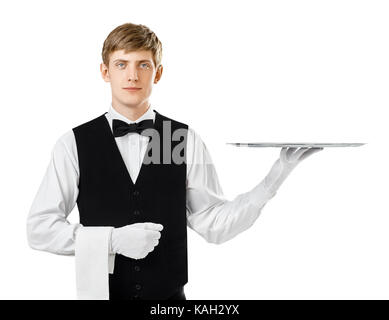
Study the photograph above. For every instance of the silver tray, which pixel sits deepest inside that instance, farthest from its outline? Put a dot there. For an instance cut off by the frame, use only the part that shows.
(293, 145)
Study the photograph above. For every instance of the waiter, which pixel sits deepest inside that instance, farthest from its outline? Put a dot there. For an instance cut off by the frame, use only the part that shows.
(134, 213)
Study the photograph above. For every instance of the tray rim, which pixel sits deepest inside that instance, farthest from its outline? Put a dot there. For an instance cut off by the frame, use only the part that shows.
(296, 144)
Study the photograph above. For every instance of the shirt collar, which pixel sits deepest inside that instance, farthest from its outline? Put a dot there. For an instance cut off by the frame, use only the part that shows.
(113, 114)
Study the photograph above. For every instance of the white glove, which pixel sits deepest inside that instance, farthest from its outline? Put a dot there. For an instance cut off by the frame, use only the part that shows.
(288, 160)
(135, 240)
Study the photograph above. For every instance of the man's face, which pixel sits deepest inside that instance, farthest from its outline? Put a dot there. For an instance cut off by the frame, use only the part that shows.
(134, 69)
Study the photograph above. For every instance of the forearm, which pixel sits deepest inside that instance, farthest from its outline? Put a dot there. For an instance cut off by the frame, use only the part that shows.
(48, 232)
(47, 226)
(228, 218)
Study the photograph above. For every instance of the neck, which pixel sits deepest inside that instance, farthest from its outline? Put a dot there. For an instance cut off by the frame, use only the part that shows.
(131, 112)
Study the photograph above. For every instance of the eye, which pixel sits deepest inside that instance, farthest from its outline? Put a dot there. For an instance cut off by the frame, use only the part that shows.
(145, 64)
(120, 64)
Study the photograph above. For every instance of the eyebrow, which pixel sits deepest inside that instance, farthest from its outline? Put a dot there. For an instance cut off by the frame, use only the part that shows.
(127, 60)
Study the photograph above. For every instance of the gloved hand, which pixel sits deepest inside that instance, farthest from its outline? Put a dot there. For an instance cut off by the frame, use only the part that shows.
(135, 240)
(289, 158)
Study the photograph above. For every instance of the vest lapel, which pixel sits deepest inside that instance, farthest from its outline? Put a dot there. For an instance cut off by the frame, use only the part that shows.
(116, 152)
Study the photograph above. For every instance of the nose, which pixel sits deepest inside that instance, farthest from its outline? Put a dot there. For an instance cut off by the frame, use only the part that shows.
(133, 75)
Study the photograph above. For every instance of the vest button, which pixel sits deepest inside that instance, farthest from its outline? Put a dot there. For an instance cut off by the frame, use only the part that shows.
(138, 287)
(136, 193)
(136, 212)
(137, 268)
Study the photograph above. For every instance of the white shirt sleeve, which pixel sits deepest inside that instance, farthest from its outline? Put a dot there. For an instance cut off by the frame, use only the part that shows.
(47, 226)
(209, 213)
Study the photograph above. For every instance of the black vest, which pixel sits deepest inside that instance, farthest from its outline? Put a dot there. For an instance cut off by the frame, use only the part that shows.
(108, 197)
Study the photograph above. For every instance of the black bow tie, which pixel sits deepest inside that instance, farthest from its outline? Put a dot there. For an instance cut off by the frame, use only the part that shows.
(121, 128)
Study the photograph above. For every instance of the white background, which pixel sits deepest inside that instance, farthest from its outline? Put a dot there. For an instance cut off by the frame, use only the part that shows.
(255, 71)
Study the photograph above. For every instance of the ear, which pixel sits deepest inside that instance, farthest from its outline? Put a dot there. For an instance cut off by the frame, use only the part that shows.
(104, 72)
(158, 74)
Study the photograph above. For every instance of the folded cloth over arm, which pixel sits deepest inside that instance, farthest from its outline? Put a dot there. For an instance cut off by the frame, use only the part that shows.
(93, 262)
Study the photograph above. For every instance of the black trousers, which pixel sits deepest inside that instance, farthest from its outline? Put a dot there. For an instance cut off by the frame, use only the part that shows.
(178, 295)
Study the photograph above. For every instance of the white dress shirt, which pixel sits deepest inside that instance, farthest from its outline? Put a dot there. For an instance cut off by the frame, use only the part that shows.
(208, 213)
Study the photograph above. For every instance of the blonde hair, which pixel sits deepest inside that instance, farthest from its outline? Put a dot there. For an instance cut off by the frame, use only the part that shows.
(132, 37)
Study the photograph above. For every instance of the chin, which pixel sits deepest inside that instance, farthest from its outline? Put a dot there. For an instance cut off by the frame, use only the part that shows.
(132, 100)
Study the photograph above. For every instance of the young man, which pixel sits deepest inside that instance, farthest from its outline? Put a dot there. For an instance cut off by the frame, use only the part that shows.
(135, 214)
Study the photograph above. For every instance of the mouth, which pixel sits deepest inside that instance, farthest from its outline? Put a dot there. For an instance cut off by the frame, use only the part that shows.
(132, 89)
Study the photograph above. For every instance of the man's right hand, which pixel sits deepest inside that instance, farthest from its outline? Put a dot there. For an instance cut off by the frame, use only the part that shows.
(136, 240)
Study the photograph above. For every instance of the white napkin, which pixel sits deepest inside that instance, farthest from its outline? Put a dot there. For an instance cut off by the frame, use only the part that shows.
(93, 263)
